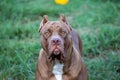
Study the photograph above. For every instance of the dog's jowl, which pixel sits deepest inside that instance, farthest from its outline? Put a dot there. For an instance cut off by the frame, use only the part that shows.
(60, 56)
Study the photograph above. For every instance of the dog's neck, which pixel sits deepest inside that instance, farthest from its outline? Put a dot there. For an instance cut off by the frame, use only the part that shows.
(68, 54)
(58, 69)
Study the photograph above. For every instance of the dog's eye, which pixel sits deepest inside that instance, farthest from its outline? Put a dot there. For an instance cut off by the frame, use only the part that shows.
(63, 32)
(47, 34)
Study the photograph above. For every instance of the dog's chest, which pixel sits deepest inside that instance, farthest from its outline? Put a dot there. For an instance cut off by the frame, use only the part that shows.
(58, 70)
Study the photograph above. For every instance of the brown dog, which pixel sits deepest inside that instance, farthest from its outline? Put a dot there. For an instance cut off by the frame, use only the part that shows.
(60, 56)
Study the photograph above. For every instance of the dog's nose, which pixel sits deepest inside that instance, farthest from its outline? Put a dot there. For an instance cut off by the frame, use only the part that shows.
(56, 41)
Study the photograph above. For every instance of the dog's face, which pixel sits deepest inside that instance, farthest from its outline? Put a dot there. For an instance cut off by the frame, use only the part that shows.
(54, 36)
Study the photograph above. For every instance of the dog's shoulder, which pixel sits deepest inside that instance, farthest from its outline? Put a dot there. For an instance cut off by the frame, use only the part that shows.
(42, 54)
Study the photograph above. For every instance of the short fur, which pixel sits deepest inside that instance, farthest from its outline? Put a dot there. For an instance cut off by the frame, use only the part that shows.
(70, 48)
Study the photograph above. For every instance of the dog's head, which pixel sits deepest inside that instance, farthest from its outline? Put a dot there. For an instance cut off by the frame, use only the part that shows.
(55, 37)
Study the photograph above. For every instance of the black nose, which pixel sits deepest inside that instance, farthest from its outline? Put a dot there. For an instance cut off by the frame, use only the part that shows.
(56, 41)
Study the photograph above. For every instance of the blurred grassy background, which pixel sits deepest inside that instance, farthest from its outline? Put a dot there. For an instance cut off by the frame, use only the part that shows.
(97, 21)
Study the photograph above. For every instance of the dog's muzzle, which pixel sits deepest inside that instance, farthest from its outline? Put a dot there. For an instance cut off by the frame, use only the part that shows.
(56, 48)
(56, 44)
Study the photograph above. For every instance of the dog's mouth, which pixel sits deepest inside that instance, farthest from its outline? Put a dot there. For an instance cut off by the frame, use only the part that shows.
(60, 57)
(56, 53)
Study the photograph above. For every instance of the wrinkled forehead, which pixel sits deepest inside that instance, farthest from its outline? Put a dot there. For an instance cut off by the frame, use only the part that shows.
(53, 25)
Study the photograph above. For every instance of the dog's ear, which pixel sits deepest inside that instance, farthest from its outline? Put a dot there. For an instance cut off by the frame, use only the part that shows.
(43, 22)
(63, 19)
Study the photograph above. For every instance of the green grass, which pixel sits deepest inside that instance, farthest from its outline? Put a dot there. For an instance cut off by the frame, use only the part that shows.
(97, 22)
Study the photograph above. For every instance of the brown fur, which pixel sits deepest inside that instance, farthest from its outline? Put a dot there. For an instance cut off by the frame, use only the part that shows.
(70, 48)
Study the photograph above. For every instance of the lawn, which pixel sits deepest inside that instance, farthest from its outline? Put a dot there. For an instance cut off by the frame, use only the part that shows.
(97, 22)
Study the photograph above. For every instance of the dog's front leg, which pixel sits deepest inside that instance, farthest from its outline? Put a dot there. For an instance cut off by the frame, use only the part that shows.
(43, 70)
(52, 78)
(65, 77)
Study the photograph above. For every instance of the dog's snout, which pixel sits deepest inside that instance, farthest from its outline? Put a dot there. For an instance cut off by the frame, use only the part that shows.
(56, 41)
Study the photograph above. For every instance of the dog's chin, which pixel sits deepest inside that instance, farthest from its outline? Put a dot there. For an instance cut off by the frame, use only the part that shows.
(56, 54)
